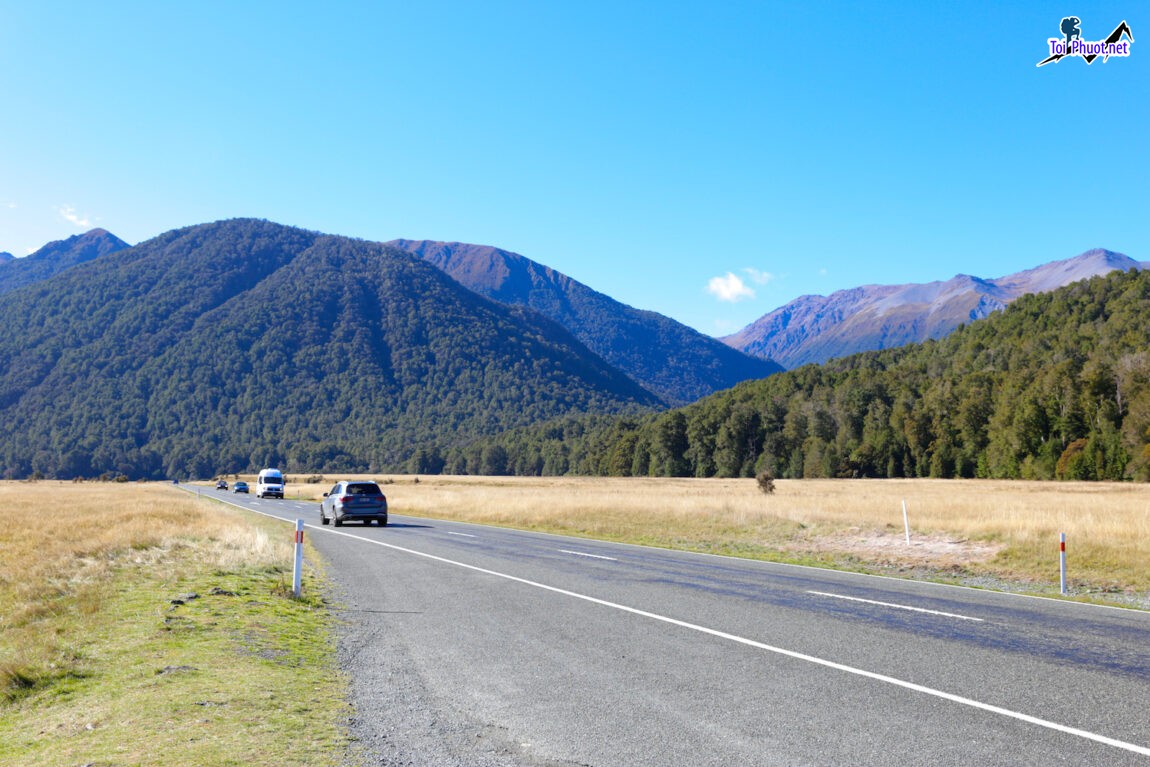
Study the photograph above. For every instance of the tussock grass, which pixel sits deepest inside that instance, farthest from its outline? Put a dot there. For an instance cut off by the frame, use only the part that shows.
(1000, 533)
(99, 665)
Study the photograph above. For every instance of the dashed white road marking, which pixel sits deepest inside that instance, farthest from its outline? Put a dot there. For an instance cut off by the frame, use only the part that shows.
(896, 606)
(589, 556)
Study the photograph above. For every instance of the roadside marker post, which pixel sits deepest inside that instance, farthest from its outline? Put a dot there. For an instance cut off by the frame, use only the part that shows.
(1062, 561)
(906, 522)
(295, 576)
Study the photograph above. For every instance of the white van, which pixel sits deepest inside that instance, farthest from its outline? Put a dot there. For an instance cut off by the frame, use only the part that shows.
(270, 484)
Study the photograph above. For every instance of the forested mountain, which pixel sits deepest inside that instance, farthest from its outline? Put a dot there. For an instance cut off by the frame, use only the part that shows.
(872, 317)
(1055, 386)
(239, 344)
(56, 257)
(668, 358)
(5, 257)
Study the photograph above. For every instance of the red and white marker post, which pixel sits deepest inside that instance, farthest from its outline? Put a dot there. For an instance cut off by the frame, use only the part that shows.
(295, 577)
(1062, 561)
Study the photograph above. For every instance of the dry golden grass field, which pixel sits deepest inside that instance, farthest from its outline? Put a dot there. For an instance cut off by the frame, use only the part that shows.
(987, 533)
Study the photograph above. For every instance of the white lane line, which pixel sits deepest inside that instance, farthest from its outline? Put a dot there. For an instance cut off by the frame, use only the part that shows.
(896, 606)
(1065, 729)
(585, 554)
(462, 535)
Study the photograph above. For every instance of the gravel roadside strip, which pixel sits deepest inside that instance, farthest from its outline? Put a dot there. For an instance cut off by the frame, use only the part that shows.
(397, 722)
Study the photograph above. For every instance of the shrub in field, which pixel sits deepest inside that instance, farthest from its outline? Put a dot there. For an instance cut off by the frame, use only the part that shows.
(765, 481)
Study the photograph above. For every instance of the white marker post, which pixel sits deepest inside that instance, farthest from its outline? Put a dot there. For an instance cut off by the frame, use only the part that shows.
(906, 522)
(295, 577)
(1062, 561)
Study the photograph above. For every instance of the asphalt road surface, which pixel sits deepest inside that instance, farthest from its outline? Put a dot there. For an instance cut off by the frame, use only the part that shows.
(472, 645)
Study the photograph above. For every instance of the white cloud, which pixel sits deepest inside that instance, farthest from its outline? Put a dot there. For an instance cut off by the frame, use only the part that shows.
(729, 288)
(69, 213)
(757, 277)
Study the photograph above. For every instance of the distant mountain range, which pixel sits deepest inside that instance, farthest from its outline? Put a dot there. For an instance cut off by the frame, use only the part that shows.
(236, 344)
(872, 317)
(56, 257)
(1055, 386)
(668, 358)
(671, 360)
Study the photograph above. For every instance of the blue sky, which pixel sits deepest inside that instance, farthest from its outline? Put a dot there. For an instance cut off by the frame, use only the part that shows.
(709, 161)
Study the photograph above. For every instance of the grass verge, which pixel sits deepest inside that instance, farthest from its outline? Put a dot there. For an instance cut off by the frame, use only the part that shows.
(141, 626)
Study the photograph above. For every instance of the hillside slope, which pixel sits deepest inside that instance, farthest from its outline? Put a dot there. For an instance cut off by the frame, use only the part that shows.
(872, 317)
(56, 257)
(238, 344)
(1056, 386)
(668, 358)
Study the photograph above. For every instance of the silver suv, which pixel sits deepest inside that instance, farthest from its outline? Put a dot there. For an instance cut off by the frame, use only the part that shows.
(353, 501)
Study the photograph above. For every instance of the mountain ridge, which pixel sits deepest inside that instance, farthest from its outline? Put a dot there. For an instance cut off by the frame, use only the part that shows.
(227, 346)
(668, 358)
(1056, 386)
(874, 317)
(56, 257)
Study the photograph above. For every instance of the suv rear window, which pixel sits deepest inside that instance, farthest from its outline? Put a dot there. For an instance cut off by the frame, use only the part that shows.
(364, 488)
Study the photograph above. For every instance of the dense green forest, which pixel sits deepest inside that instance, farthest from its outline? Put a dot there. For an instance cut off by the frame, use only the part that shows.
(1056, 386)
(231, 346)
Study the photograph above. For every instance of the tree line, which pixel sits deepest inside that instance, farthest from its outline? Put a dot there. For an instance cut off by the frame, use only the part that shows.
(1057, 386)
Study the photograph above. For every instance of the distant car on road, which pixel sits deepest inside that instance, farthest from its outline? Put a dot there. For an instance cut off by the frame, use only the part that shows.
(353, 501)
(240, 487)
(221, 484)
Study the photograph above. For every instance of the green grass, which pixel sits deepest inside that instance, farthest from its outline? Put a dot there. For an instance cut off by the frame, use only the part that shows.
(243, 674)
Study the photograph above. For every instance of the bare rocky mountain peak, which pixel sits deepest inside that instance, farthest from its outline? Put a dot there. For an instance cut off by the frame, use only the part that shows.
(870, 317)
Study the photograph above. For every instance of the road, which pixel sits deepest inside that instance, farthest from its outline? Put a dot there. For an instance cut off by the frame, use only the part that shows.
(475, 645)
